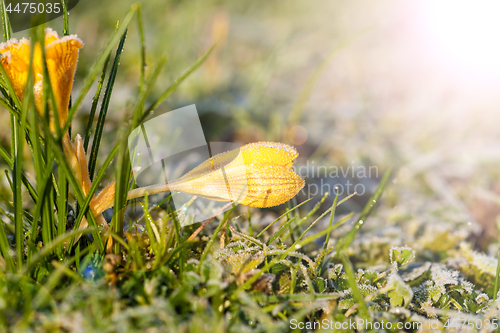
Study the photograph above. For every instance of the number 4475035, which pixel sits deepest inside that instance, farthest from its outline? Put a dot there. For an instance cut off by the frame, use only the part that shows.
(33, 7)
(461, 324)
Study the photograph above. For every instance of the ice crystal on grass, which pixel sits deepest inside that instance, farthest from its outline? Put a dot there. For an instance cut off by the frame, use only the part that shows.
(367, 289)
(480, 261)
(442, 275)
(481, 298)
(414, 272)
(347, 301)
(428, 292)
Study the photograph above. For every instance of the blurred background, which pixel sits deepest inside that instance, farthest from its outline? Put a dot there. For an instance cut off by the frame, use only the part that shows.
(413, 85)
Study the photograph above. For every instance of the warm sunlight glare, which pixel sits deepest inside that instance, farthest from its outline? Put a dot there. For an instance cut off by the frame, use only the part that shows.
(464, 35)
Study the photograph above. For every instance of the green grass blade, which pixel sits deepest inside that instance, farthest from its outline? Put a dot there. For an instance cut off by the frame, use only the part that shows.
(31, 190)
(44, 188)
(247, 237)
(214, 236)
(149, 84)
(6, 105)
(5, 248)
(122, 176)
(65, 17)
(48, 248)
(276, 259)
(5, 22)
(363, 310)
(99, 64)
(104, 108)
(322, 215)
(318, 219)
(6, 156)
(62, 210)
(43, 175)
(497, 278)
(154, 238)
(48, 225)
(95, 102)
(303, 298)
(291, 234)
(19, 130)
(142, 60)
(347, 240)
(280, 231)
(281, 216)
(332, 215)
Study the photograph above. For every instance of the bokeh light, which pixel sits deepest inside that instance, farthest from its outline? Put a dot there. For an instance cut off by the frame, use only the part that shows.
(91, 268)
(298, 135)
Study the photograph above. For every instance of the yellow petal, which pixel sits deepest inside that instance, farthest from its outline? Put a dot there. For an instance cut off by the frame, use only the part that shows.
(103, 200)
(272, 153)
(61, 55)
(82, 162)
(16, 60)
(270, 185)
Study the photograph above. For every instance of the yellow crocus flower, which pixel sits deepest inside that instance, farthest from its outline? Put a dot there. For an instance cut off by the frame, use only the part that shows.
(257, 175)
(61, 56)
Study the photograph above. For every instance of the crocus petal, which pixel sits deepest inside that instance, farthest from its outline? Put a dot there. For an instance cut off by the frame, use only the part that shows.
(270, 185)
(61, 56)
(271, 153)
(82, 162)
(15, 61)
(104, 199)
(254, 185)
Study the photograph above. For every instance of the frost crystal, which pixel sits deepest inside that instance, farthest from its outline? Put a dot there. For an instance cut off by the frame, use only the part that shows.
(484, 262)
(468, 286)
(481, 298)
(414, 271)
(443, 276)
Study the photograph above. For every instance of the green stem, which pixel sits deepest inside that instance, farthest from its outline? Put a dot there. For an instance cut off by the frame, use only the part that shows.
(18, 209)
(5, 21)
(497, 278)
(65, 17)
